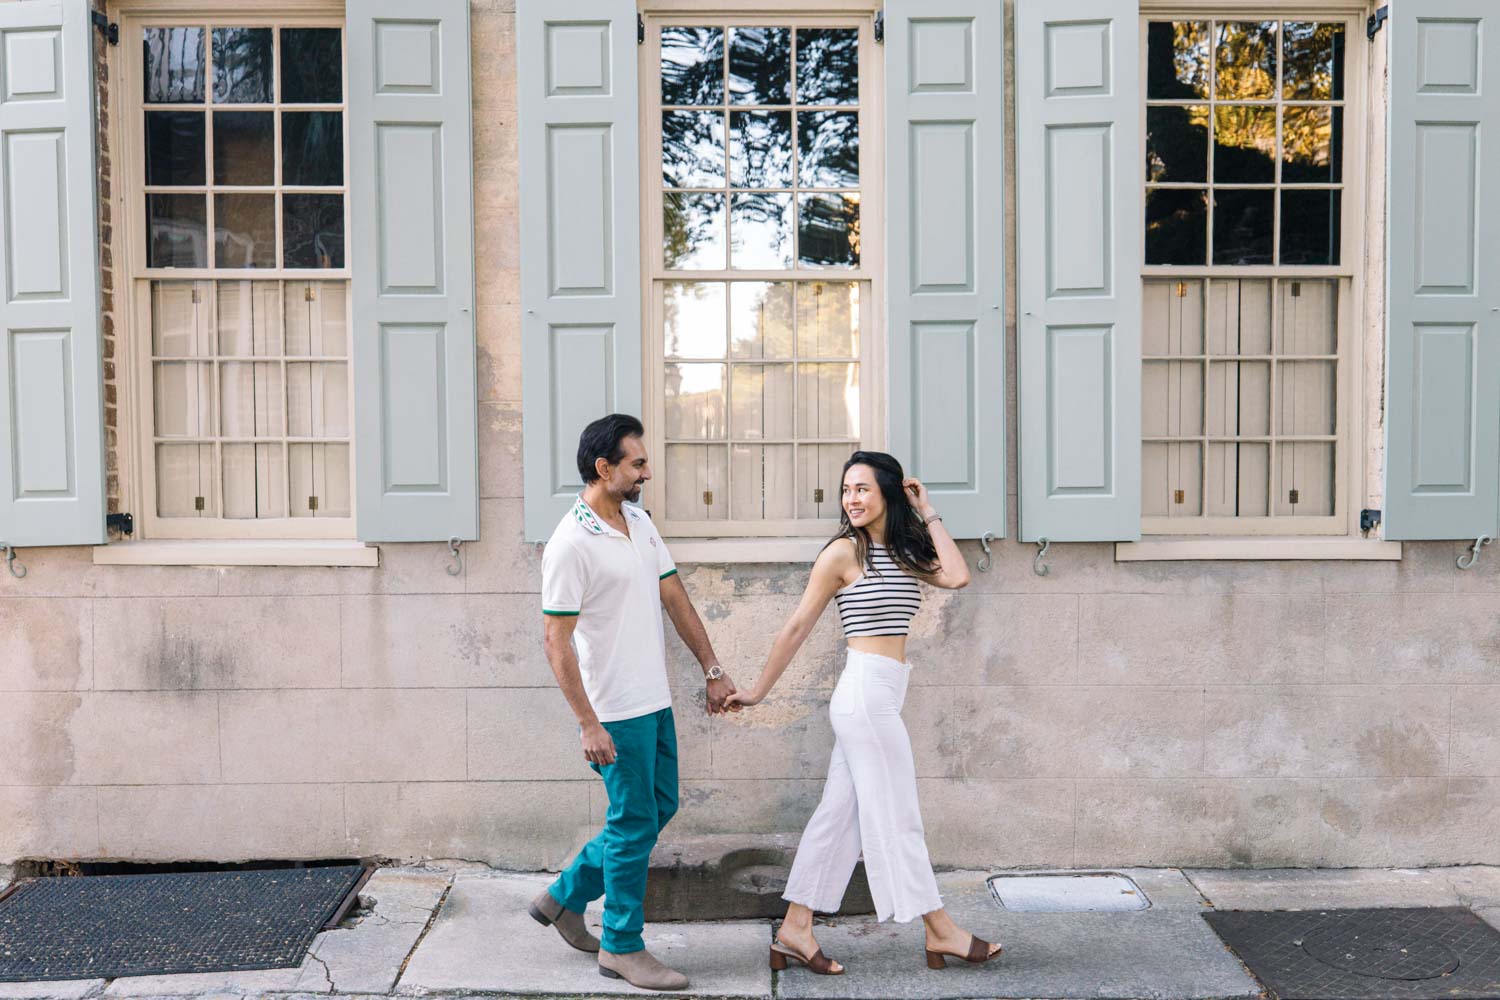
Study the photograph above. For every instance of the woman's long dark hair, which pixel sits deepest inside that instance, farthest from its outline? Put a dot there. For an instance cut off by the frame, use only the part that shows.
(906, 537)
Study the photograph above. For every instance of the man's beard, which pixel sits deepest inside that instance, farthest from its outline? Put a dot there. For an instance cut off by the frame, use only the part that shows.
(634, 496)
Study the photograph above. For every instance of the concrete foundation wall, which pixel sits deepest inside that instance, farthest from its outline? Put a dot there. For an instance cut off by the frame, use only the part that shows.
(1210, 713)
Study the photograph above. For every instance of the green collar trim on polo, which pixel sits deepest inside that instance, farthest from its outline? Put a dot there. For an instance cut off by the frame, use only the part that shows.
(584, 515)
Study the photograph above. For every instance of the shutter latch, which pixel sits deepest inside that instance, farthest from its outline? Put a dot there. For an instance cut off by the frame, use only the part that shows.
(1039, 567)
(16, 569)
(1473, 555)
(458, 561)
(123, 523)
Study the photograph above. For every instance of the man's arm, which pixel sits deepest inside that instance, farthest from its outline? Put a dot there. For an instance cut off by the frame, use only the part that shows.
(674, 597)
(598, 746)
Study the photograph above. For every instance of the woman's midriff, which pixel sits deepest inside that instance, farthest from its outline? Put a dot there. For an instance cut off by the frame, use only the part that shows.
(893, 646)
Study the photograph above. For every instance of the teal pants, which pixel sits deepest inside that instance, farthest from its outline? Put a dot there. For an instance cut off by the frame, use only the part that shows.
(642, 789)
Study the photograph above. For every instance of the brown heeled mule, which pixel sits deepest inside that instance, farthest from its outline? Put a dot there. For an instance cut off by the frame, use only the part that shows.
(819, 963)
(979, 952)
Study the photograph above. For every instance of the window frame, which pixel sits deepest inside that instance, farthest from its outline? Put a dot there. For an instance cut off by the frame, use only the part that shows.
(655, 276)
(136, 414)
(1350, 274)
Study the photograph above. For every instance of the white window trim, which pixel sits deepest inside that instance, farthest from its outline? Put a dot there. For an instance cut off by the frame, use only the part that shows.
(1338, 536)
(243, 552)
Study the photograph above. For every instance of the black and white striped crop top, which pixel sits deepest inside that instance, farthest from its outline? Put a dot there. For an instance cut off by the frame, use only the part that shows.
(882, 603)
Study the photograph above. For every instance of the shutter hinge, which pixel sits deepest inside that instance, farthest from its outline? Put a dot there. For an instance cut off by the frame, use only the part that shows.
(1369, 520)
(640, 30)
(123, 523)
(107, 28)
(880, 27)
(1376, 21)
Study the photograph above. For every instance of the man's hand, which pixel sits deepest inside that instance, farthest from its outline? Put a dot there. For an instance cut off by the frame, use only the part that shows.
(598, 745)
(717, 691)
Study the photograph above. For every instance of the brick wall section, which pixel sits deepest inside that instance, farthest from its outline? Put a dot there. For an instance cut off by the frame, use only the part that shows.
(106, 267)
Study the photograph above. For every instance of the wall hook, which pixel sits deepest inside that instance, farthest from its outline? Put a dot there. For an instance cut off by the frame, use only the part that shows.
(988, 559)
(1473, 556)
(1037, 566)
(16, 569)
(458, 560)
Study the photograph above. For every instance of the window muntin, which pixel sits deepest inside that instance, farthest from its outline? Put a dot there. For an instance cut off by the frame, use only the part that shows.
(761, 281)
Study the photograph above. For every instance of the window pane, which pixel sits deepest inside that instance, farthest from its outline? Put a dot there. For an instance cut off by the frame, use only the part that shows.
(763, 486)
(692, 148)
(692, 66)
(244, 230)
(1177, 60)
(183, 395)
(177, 227)
(1305, 474)
(1176, 226)
(173, 65)
(251, 402)
(760, 319)
(1243, 226)
(695, 402)
(175, 148)
(828, 229)
(1314, 61)
(693, 314)
(760, 231)
(312, 148)
(185, 480)
(828, 319)
(1311, 224)
(828, 149)
(1239, 399)
(760, 65)
(320, 480)
(312, 230)
(249, 314)
(242, 65)
(1238, 479)
(1177, 145)
(693, 232)
(1309, 317)
(317, 318)
(1171, 479)
(760, 149)
(312, 66)
(1239, 316)
(827, 65)
(244, 147)
(254, 481)
(820, 470)
(697, 478)
(1305, 397)
(1245, 144)
(180, 325)
(828, 401)
(1173, 318)
(1172, 398)
(762, 402)
(1312, 142)
(1246, 61)
(317, 399)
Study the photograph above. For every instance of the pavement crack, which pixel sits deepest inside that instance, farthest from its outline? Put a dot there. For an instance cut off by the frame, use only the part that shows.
(426, 929)
(327, 973)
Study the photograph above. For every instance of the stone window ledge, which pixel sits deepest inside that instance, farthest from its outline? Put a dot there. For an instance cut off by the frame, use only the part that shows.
(164, 552)
(746, 550)
(1163, 549)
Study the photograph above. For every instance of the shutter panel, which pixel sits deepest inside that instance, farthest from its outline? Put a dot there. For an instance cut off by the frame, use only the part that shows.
(1079, 184)
(1443, 351)
(580, 236)
(945, 156)
(411, 214)
(51, 409)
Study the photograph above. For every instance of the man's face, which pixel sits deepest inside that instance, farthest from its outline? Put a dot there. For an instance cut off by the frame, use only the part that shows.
(625, 478)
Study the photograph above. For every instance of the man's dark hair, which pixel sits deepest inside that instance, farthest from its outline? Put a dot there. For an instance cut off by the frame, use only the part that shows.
(605, 438)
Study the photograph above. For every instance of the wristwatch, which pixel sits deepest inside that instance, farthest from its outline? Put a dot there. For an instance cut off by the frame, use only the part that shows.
(714, 673)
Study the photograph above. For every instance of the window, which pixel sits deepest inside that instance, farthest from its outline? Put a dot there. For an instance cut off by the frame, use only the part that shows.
(761, 266)
(238, 275)
(1245, 342)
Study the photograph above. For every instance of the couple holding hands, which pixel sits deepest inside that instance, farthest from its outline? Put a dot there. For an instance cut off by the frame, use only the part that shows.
(606, 576)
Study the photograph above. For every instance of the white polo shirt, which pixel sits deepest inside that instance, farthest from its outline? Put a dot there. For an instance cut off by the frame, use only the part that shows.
(612, 584)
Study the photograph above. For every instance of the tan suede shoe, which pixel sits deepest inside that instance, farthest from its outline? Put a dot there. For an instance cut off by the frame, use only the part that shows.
(549, 912)
(641, 970)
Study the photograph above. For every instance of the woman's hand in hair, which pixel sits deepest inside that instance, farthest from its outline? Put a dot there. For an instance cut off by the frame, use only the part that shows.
(917, 493)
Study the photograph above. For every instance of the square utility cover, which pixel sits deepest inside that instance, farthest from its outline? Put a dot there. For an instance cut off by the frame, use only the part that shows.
(1070, 893)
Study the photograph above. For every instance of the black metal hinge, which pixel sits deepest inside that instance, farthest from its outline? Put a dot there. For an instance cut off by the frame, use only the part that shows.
(880, 27)
(123, 523)
(640, 30)
(108, 29)
(1375, 21)
(1369, 520)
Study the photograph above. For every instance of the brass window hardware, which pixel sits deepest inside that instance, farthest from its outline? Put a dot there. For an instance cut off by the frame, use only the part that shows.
(818, 495)
(198, 503)
(312, 503)
(1179, 496)
(1293, 497)
(708, 498)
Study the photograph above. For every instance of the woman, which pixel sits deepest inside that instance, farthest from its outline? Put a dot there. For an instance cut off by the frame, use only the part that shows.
(889, 538)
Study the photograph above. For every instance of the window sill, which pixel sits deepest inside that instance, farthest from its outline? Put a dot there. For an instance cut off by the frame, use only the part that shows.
(745, 550)
(165, 552)
(1161, 549)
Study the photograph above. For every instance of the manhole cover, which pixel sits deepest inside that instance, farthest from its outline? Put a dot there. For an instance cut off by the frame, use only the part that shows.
(1423, 954)
(1071, 893)
(1383, 949)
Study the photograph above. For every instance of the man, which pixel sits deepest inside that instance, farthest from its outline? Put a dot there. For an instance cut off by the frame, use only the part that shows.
(606, 575)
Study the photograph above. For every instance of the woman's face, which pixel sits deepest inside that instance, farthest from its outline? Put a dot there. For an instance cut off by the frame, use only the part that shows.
(862, 499)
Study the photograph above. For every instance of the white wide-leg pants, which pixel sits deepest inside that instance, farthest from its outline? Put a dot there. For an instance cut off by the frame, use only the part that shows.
(869, 802)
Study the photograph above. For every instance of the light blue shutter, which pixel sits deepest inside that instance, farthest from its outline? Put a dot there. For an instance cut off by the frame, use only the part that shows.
(945, 155)
(580, 235)
(1443, 350)
(51, 413)
(1078, 151)
(412, 256)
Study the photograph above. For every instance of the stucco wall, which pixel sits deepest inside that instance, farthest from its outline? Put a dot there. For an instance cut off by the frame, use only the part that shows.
(1169, 713)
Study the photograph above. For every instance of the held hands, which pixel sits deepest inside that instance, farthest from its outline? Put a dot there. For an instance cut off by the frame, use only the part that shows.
(719, 691)
(598, 745)
(742, 699)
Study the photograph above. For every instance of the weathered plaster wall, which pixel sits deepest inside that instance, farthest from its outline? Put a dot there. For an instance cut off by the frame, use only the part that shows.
(1192, 713)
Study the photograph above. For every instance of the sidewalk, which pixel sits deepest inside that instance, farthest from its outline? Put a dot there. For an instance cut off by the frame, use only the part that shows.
(464, 931)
